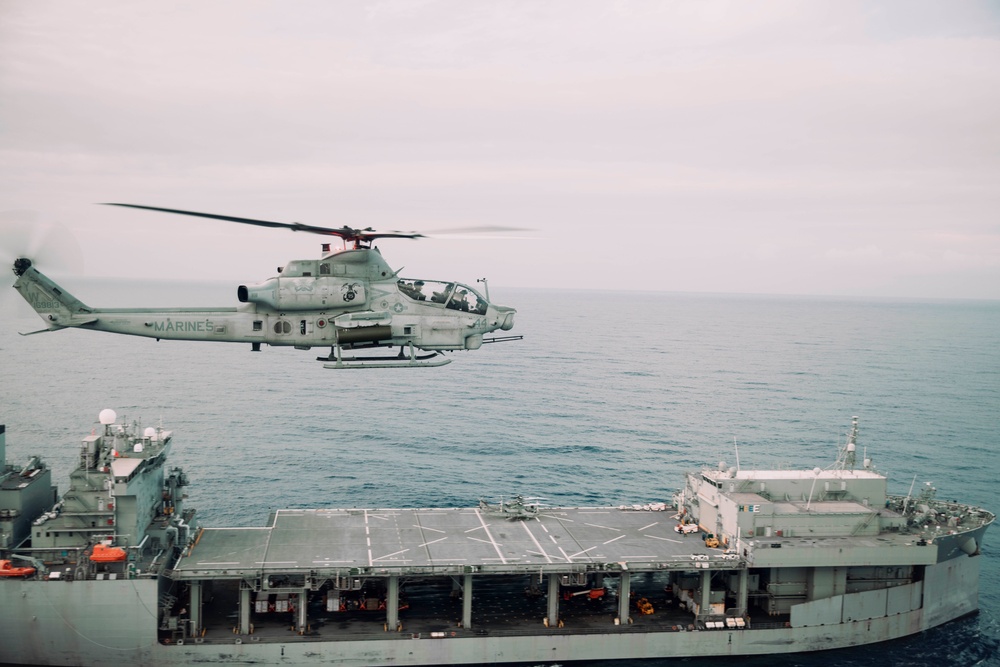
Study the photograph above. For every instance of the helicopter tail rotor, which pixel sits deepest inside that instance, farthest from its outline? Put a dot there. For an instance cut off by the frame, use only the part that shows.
(23, 237)
(25, 242)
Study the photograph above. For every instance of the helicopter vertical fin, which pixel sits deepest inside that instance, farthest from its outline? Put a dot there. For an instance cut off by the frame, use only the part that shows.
(57, 307)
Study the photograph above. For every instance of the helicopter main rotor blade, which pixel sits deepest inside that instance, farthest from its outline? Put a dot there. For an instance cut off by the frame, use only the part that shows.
(480, 229)
(345, 232)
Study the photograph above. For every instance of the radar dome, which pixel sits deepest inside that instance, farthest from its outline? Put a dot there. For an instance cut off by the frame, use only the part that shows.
(150, 432)
(107, 416)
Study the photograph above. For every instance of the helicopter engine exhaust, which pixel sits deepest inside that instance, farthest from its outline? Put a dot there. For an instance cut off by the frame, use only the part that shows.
(364, 334)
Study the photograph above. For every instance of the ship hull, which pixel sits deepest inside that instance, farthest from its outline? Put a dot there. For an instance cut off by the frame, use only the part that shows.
(88, 622)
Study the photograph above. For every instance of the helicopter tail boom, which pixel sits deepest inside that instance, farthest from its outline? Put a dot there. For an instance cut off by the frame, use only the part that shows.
(57, 307)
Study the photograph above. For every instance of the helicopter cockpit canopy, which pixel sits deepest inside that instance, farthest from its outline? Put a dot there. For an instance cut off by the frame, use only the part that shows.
(450, 295)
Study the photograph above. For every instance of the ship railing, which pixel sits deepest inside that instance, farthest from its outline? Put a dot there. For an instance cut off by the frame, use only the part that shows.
(718, 561)
(355, 634)
(769, 625)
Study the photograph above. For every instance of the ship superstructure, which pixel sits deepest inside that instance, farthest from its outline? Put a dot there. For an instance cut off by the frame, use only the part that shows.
(828, 546)
(742, 562)
(120, 494)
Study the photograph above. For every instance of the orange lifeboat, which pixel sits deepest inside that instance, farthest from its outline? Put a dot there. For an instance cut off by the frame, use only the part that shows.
(8, 570)
(105, 554)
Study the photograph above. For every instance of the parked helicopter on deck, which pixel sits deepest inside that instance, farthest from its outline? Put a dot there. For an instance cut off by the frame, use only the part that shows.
(348, 299)
(517, 508)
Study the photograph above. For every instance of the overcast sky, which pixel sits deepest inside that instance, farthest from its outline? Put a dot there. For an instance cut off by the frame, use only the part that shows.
(834, 148)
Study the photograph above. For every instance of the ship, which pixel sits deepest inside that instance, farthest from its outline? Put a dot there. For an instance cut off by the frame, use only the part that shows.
(737, 562)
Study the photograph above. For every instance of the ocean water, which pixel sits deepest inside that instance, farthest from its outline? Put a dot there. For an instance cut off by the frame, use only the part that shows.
(609, 399)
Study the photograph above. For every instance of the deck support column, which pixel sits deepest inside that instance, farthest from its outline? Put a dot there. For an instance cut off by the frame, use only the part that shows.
(467, 601)
(553, 598)
(743, 592)
(624, 592)
(244, 609)
(195, 604)
(392, 603)
(706, 593)
(302, 613)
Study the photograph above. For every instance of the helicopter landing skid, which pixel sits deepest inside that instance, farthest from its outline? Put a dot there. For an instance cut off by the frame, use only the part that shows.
(401, 361)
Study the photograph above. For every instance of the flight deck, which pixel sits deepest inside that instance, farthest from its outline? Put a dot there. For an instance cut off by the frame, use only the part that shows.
(444, 541)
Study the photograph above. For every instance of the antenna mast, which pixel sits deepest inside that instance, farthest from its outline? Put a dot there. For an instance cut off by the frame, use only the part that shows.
(847, 457)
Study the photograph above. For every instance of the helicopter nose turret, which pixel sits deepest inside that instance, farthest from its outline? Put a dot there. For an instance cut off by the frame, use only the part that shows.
(504, 317)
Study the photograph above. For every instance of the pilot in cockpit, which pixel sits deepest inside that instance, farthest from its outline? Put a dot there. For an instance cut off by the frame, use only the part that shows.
(441, 297)
(460, 301)
(413, 290)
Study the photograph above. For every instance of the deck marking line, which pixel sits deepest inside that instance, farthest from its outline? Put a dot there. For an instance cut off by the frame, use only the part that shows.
(535, 540)
(277, 562)
(568, 559)
(440, 539)
(613, 539)
(420, 527)
(402, 551)
(495, 545)
(417, 525)
(580, 553)
(649, 526)
(597, 525)
(204, 562)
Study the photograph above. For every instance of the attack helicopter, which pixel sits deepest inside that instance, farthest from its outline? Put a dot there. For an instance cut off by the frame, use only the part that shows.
(348, 299)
